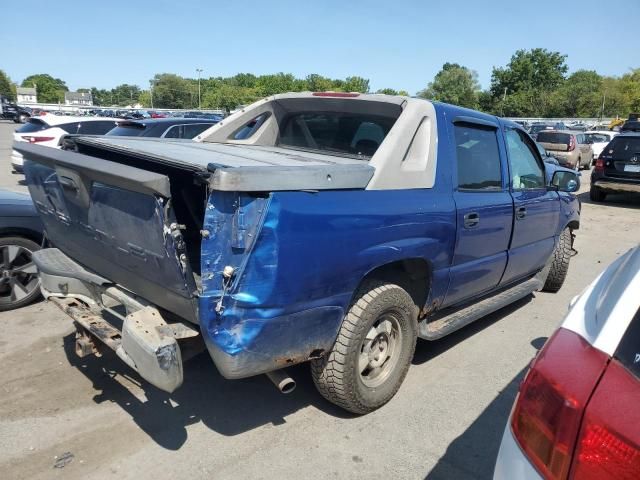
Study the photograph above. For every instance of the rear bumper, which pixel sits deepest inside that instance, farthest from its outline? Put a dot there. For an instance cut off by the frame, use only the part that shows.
(621, 186)
(146, 341)
(511, 462)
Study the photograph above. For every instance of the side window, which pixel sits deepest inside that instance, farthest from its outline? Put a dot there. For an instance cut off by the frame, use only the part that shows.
(174, 132)
(95, 128)
(250, 127)
(193, 130)
(69, 127)
(526, 170)
(478, 157)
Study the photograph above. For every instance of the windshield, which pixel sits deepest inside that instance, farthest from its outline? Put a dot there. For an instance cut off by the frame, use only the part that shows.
(342, 133)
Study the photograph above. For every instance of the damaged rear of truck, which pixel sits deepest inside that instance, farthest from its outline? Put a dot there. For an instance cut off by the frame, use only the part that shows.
(251, 241)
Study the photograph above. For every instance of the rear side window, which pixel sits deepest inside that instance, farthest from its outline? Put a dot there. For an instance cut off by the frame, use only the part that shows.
(193, 130)
(478, 158)
(334, 132)
(32, 125)
(628, 351)
(554, 137)
(250, 127)
(95, 128)
(69, 127)
(623, 148)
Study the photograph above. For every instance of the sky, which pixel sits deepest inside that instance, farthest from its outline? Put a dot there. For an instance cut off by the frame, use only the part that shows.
(399, 44)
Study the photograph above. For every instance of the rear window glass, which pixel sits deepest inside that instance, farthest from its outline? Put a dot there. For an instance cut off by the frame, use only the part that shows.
(341, 133)
(250, 127)
(129, 130)
(596, 137)
(32, 125)
(554, 137)
(623, 148)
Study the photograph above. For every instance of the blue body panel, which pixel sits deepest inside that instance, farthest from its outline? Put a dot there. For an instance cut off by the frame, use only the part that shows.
(299, 257)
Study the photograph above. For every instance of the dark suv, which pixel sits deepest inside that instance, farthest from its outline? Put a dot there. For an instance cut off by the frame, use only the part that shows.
(617, 168)
(11, 111)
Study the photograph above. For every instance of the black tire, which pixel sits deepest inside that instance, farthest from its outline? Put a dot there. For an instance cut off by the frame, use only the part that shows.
(597, 195)
(338, 375)
(19, 283)
(559, 263)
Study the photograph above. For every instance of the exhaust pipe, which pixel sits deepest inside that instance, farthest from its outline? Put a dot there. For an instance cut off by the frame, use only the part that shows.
(282, 381)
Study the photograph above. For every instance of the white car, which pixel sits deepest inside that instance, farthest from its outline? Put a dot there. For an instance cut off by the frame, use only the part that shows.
(577, 413)
(598, 141)
(47, 130)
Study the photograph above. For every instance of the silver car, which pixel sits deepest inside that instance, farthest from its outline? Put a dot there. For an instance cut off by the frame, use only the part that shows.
(570, 148)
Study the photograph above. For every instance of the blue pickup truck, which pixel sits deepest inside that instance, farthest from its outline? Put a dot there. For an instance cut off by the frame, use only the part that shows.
(334, 228)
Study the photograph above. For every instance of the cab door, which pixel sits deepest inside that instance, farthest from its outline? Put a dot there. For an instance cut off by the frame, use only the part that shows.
(536, 209)
(484, 210)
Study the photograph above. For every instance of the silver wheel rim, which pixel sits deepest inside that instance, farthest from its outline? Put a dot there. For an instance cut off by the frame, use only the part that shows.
(19, 275)
(380, 350)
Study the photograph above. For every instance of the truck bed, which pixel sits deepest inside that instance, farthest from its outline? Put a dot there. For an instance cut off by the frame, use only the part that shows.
(233, 167)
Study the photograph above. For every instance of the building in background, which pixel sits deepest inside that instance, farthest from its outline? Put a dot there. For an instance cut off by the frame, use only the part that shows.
(84, 99)
(26, 95)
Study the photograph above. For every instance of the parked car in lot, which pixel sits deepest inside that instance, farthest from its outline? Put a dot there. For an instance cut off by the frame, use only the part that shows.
(301, 229)
(617, 168)
(569, 148)
(11, 111)
(598, 140)
(20, 235)
(47, 130)
(162, 127)
(576, 415)
(538, 127)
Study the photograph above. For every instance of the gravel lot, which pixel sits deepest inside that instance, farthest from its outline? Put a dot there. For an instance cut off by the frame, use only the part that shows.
(446, 421)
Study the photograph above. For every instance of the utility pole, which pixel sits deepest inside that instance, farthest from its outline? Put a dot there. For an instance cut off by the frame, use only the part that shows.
(604, 96)
(504, 99)
(199, 71)
(151, 93)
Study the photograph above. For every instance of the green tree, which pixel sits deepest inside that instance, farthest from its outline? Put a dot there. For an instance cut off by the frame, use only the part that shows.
(172, 91)
(7, 88)
(229, 97)
(387, 91)
(318, 83)
(579, 96)
(276, 83)
(528, 79)
(50, 90)
(454, 84)
(355, 84)
(125, 94)
(630, 89)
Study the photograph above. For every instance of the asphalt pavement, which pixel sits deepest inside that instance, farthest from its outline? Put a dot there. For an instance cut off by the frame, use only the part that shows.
(65, 417)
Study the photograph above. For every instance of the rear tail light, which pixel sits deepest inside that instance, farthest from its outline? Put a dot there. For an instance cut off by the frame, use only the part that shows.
(572, 143)
(548, 412)
(609, 443)
(38, 139)
(599, 164)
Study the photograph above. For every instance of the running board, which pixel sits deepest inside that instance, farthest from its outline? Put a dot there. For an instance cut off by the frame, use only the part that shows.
(444, 324)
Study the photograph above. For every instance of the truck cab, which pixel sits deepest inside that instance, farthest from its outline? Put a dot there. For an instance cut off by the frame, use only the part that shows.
(327, 227)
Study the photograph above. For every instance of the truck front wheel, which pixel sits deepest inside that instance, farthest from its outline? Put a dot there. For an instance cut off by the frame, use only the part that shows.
(373, 351)
(559, 263)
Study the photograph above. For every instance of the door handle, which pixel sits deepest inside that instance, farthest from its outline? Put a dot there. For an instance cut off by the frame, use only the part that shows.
(521, 212)
(471, 220)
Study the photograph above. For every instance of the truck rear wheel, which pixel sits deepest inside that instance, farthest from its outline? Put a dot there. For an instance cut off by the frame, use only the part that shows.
(559, 263)
(373, 351)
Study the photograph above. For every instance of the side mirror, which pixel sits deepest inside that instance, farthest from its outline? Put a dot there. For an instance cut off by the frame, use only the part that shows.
(565, 181)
